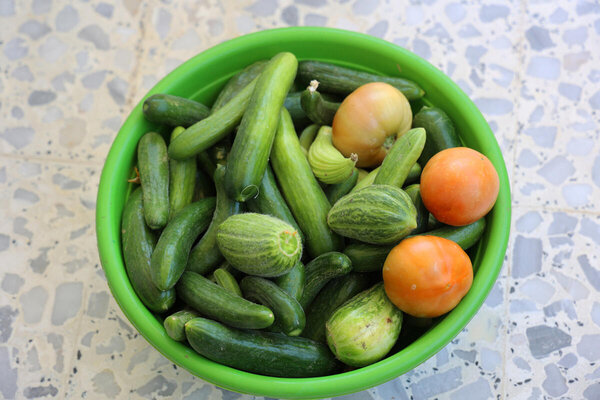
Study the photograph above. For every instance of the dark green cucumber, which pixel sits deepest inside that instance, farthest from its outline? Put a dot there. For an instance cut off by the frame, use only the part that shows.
(217, 303)
(227, 281)
(440, 132)
(336, 192)
(294, 106)
(333, 295)
(166, 109)
(293, 281)
(367, 257)
(175, 323)
(173, 248)
(336, 79)
(414, 192)
(206, 164)
(307, 137)
(153, 165)
(433, 223)
(270, 201)
(264, 353)
(316, 108)
(289, 315)
(400, 158)
(238, 82)
(182, 180)
(301, 190)
(204, 186)
(205, 256)
(252, 145)
(320, 271)
(465, 236)
(138, 243)
(414, 174)
(204, 134)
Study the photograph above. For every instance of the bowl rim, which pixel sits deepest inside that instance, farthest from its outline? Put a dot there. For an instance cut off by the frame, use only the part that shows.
(108, 240)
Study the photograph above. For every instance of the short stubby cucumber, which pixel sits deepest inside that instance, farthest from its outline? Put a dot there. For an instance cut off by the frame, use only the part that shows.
(367, 257)
(182, 180)
(153, 166)
(316, 108)
(259, 244)
(400, 158)
(326, 162)
(440, 132)
(175, 323)
(227, 281)
(320, 271)
(293, 281)
(167, 109)
(414, 192)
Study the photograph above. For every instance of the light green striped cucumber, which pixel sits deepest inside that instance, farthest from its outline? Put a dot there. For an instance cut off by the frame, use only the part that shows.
(153, 165)
(259, 244)
(175, 323)
(182, 180)
(400, 158)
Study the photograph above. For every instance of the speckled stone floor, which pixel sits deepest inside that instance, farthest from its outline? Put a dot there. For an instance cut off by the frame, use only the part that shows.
(71, 71)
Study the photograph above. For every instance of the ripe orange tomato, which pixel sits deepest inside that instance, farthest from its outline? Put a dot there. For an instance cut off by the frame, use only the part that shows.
(459, 185)
(426, 276)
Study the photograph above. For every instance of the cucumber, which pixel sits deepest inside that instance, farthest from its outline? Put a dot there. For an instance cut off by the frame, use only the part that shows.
(413, 176)
(301, 190)
(294, 106)
(175, 324)
(205, 256)
(217, 303)
(173, 248)
(316, 108)
(258, 244)
(204, 134)
(335, 79)
(252, 145)
(182, 180)
(307, 137)
(270, 201)
(289, 315)
(204, 186)
(332, 296)
(238, 82)
(153, 165)
(227, 281)
(320, 271)
(336, 192)
(293, 281)
(414, 192)
(264, 353)
(400, 158)
(138, 243)
(367, 257)
(166, 109)
(440, 132)
(465, 236)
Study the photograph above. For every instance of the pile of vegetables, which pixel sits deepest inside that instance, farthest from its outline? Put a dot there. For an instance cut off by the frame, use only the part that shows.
(295, 254)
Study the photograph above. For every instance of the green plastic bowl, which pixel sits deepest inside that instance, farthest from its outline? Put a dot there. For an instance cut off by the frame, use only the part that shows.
(201, 78)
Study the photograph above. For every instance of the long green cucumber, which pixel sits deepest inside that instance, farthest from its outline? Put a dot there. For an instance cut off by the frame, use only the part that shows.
(204, 134)
(172, 110)
(173, 248)
(264, 353)
(320, 271)
(252, 145)
(182, 180)
(335, 79)
(289, 315)
(316, 108)
(301, 189)
(226, 280)
(153, 166)
(367, 257)
(414, 192)
(336, 192)
(293, 281)
(440, 132)
(175, 323)
(138, 243)
(217, 303)
(294, 106)
(205, 256)
(237, 83)
(400, 158)
(465, 236)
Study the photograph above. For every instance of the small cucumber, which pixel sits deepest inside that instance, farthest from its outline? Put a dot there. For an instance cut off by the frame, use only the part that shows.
(166, 109)
(294, 106)
(237, 83)
(293, 281)
(336, 192)
(465, 236)
(327, 163)
(289, 315)
(440, 132)
(138, 243)
(215, 302)
(335, 79)
(182, 180)
(175, 324)
(259, 244)
(301, 190)
(204, 134)
(400, 158)
(227, 281)
(252, 145)
(320, 271)
(205, 256)
(173, 248)
(414, 192)
(316, 108)
(367, 257)
(153, 165)
(414, 174)
(264, 353)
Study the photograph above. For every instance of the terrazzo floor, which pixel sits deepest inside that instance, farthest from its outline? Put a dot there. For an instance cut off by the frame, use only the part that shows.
(71, 71)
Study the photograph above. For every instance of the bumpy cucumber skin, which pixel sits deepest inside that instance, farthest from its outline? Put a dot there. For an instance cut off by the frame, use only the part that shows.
(237, 83)
(264, 353)
(173, 248)
(227, 281)
(172, 110)
(301, 189)
(316, 108)
(175, 324)
(414, 192)
(367, 257)
(440, 132)
(252, 145)
(293, 281)
(182, 180)
(153, 166)
(336, 192)
(138, 243)
(320, 271)
(400, 158)
(289, 315)
(205, 256)
(465, 236)
(217, 303)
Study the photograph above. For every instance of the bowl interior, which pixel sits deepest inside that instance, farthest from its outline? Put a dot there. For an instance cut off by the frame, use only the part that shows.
(201, 78)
